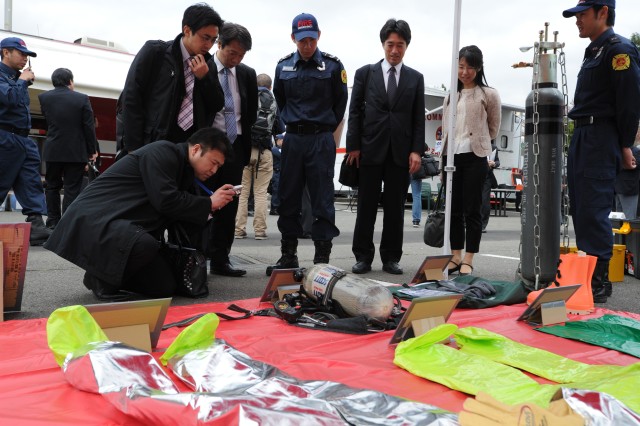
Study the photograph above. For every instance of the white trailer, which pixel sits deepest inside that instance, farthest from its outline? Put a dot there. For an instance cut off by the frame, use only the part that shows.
(509, 141)
(99, 70)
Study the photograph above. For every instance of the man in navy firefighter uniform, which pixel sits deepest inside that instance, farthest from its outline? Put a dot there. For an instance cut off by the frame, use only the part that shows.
(310, 88)
(605, 113)
(19, 156)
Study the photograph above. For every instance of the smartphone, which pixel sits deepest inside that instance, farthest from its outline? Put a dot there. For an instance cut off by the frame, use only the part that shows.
(237, 189)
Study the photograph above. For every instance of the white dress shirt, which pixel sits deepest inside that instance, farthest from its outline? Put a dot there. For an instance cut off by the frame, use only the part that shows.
(218, 122)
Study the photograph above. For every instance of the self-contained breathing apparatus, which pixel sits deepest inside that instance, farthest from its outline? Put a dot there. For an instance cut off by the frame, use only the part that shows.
(329, 299)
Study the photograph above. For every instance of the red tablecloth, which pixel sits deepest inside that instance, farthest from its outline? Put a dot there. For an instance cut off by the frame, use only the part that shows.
(33, 389)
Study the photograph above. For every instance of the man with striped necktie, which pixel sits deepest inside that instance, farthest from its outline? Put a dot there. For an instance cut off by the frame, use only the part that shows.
(170, 90)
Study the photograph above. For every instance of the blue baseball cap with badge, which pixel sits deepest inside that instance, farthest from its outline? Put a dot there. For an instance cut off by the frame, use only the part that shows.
(16, 43)
(305, 25)
(586, 4)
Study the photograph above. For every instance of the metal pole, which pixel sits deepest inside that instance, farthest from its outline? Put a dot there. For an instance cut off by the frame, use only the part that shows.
(451, 128)
(8, 15)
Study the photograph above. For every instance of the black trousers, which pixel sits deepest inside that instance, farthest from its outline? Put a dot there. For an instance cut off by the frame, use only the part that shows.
(486, 201)
(224, 221)
(148, 270)
(466, 204)
(396, 182)
(62, 175)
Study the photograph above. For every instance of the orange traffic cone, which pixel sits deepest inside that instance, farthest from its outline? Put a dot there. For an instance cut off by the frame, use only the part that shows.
(575, 268)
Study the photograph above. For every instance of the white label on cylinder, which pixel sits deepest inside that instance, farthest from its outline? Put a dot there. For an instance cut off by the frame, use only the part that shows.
(320, 282)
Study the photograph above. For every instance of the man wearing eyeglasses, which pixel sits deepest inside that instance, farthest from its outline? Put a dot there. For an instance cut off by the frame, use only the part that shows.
(170, 91)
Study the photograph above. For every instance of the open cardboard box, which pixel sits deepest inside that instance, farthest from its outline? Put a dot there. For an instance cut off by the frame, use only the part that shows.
(550, 306)
(424, 314)
(280, 282)
(432, 269)
(15, 239)
(137, 323)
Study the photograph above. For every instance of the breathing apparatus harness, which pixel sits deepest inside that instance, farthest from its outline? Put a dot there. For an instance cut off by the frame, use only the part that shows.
(322, 313)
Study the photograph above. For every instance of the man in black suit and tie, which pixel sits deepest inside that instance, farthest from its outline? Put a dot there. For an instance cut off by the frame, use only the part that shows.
(70, 144)
(385, 138)
(240, 87)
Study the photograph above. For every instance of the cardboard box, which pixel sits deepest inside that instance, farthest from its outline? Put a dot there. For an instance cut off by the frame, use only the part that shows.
(15, 239)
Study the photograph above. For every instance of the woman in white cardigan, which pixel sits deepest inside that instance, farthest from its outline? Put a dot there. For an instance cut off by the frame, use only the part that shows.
(477, 123)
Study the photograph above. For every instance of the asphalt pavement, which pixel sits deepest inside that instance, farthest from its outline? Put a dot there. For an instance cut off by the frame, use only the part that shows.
(51, 282)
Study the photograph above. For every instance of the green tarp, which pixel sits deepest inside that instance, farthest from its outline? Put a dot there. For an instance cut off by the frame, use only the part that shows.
(609, 331)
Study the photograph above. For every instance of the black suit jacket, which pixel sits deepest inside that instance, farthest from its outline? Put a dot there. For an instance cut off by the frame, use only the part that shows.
(145, 191)
(153, 94)
(71, 134)
(375, 126)
(248, 88)
(222, 233)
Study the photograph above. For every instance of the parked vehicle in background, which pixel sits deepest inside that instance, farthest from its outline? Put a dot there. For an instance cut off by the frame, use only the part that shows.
(509, 141)
(100, 68)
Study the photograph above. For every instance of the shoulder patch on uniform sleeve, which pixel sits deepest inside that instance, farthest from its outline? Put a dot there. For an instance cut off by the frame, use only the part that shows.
(343, 74)
(330, 56)
(621, 62)
(285, 57)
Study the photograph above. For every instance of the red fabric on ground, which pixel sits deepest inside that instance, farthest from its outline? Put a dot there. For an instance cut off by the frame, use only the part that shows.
(33, 389)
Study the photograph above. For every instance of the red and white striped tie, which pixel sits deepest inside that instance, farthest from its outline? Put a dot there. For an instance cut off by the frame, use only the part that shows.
(185, 116)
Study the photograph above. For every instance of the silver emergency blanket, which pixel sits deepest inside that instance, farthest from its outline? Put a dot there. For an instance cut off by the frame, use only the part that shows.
(600, 409)
(120, 366)
(230, 383)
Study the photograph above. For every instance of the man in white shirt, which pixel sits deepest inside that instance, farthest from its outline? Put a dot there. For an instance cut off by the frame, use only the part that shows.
(240, 87)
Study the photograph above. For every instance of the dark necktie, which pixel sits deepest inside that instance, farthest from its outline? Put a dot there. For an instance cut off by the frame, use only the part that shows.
(185, 115)
(392, 85)
(229, 110)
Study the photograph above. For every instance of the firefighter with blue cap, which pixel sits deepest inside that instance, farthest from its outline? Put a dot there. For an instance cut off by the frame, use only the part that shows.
(19, 155)
(310, 88)
(605, 115)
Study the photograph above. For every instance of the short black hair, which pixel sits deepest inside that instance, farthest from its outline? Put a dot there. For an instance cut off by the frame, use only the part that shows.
(62, 77)
(10, 49)
(211, 138)
(201, 15)
(399, 27)
(611, 16)
(230, 32)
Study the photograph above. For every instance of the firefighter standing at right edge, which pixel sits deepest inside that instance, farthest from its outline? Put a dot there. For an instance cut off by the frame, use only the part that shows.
(605, 114)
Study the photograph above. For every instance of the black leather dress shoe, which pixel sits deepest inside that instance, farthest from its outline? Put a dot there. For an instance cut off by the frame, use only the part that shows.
(361, 268)
(227, 270)
(392, 268)
(104, 291)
